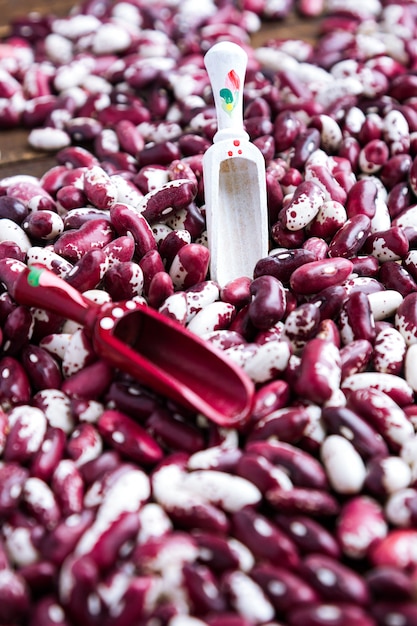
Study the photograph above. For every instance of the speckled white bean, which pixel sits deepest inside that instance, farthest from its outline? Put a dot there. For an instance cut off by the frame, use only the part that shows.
(56, 343)
(396, 474)
(269, 358)
(201, 296)
(381, 220)
(78, 353)
(9, 231)
(110, 39)
(389, 351)
(228, 491)
(388, 383)
(385, 303)
(344, 466)
(28, 423)
(49, 259)
(57, 408)
(214, 316)
(176, 307)
(396, 510)
(410, 366)
(49, 138)
(248, 598)
(59, 49)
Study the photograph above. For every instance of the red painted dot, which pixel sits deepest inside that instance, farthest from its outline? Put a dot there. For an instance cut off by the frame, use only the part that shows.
(230, 153)
(239, 151)
(236, 142)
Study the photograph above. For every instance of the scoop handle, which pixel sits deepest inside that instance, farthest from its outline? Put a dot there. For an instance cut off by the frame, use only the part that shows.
(226, 67)
(38, 287)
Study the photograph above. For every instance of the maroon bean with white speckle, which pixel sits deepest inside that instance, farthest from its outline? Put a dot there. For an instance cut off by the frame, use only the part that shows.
(44, 225)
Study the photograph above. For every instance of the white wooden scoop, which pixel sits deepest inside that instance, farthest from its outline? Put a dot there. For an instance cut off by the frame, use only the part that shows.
(234, 174)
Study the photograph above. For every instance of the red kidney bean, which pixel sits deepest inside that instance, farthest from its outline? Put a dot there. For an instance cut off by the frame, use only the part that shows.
(49, 454)
(309, 535)
(389, 583)
(268, 304)
(351, 237)
(14, 383)
(269, 398)
(173, 432)
(13, 209)
(383, 413)
(126, 220)
(128, 438)
(303, 469)
(365, 265)
(173, 196)
(286, 238)
(286, 424)
(265, 540)
(355, 357)
(13, 477)
(303, 501)
(399, 199)
(356, 319)
(151, 264)
(334, 581)
(394, 276)
(171, 244)
(215, 552)
(395, 170)
(284, 589)
(329, 301)
(319, 372)
(282, 264)
(286, 129)
(262, 472)
(317, 246)
(203, 589)
(98, 187)
(48, 612)
(317, 275)
(338, 613)
(42, 369)
(385, 612)
(304, 145)
(88, 271)
(366, 440)
(361, 198)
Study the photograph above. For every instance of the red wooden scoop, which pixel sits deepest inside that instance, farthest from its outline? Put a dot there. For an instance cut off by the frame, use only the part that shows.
(152, 348)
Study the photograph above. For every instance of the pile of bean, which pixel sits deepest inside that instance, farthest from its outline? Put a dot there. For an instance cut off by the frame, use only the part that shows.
(117, 507)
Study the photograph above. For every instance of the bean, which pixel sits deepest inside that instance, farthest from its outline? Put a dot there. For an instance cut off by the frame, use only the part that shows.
(303, 207)
(318, 275)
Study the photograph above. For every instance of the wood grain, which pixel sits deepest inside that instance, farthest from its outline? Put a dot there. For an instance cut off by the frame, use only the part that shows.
(17, 157)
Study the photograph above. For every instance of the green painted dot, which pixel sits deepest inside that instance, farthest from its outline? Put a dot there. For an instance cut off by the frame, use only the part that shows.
(34, 276)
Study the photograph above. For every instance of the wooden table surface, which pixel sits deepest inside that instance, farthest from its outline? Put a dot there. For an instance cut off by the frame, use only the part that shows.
(17, 157)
